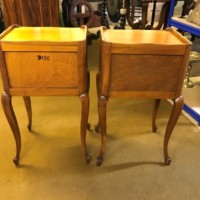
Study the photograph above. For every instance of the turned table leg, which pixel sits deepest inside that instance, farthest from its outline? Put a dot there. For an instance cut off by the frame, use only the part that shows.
(175, 113)
(27, 101)
(10, 115)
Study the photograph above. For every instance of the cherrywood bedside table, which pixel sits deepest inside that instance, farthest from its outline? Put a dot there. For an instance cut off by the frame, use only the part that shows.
(142, 64)
(43, 61)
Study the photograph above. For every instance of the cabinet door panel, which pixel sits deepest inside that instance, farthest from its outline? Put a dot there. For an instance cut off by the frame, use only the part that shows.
(42, 69)
(131, 73)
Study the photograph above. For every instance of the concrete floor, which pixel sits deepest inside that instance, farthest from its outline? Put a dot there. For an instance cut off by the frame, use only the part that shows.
(52, 165)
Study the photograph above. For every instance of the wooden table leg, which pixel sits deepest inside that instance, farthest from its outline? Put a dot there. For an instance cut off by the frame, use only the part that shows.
(84, 123)
(154, 114)
(175, 113)
(10, 115)
(97, 127)
(102, 104)
(27, 101)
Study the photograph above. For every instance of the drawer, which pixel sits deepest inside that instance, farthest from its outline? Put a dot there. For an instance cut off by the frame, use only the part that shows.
(42, 69)
(145, 72)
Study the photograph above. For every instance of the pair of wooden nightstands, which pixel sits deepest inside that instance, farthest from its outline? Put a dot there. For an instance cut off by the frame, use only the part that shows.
(38, 61)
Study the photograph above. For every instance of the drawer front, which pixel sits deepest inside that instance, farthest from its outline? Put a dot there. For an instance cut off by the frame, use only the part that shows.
(146, 72)
(42, 69)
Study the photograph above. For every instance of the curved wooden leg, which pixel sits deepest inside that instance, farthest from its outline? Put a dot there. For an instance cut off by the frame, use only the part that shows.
(10, 115)
(176, 111)
(84, 123)
(154, 114)
(88, 82)
(27, 101)
(88, 90)
(102, 104)
(97, 127)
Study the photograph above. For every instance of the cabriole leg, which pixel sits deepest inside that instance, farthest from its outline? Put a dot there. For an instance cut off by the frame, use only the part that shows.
(10, 115)
(84, 123)
(27, 102)
(154, 114)
(175, 113)
(102, 104)
(97, 127)
(88, 91)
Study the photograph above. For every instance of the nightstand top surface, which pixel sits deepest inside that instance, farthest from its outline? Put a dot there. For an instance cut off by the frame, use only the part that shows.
(45, 34)
(162, 37)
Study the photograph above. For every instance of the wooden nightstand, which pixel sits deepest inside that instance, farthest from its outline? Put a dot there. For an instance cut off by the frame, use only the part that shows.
(42, 61)
(142, 64)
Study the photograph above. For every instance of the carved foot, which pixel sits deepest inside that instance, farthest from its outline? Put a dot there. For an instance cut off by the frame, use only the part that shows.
(154, 129)
(97, 129)
(29, 127)
(16, 161)
(167, 161)
(87, 159)
(88, 126)
(99, 160)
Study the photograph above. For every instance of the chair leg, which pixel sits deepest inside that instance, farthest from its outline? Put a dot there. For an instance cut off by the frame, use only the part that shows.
(27, 102)
(10, 115)
(84, 123)
(154, 114)
(102, 104)
(175, 113)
